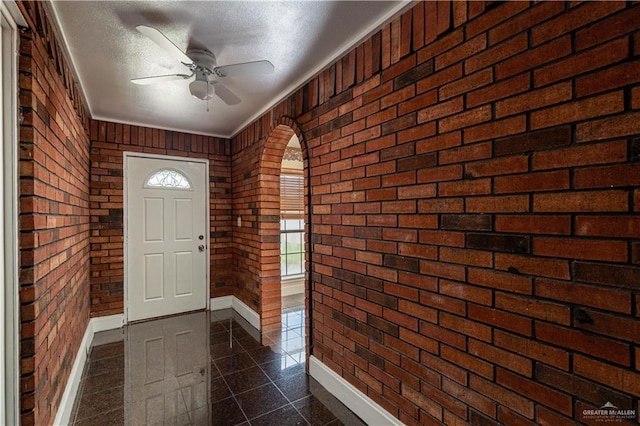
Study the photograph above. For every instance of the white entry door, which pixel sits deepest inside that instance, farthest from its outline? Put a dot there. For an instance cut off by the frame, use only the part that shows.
(166, 236)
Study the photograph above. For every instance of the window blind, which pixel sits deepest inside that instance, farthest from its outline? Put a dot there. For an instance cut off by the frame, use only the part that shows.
(291, 195)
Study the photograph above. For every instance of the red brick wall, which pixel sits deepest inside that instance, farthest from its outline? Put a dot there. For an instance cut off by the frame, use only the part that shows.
(108, 143)
(475, 188)
(54, 221)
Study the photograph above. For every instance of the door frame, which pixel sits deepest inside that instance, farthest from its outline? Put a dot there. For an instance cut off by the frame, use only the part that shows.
(207, 204)
(9, 256)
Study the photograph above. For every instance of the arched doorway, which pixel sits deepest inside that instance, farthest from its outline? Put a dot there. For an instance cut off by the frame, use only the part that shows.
(270, 215)
(292, 220)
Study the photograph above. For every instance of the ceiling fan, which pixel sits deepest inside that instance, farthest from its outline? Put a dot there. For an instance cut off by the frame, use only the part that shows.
(202, 64)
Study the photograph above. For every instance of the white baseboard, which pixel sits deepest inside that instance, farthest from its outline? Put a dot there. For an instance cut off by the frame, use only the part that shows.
(110, 322)
(367, 409)
(246, 312)
(63, 415)
(218, 303)
(239, 306)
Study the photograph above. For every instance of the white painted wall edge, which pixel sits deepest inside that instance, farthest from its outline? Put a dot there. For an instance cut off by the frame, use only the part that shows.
(239, 306)
(63, 415)
(367, 409)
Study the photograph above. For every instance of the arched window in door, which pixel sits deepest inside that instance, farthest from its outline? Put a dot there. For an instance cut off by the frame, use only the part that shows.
(167, 178)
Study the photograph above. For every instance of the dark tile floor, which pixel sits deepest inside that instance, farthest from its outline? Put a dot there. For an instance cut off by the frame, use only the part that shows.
(205, 368)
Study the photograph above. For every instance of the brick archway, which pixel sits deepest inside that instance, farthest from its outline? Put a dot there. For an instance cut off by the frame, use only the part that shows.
(269, 220)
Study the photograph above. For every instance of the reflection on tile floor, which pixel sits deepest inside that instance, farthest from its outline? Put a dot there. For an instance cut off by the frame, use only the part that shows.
(206, 368)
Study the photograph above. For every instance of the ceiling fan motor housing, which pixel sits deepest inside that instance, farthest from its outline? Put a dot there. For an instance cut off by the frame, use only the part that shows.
(204, 59)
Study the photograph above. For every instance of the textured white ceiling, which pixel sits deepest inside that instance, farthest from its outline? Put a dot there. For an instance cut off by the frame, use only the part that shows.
(299, 37)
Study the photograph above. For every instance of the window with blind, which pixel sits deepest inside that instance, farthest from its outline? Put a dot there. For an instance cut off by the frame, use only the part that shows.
(291, 224)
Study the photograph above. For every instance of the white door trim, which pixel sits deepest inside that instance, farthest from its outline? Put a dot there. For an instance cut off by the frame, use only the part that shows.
(9, 340)
(129, 154)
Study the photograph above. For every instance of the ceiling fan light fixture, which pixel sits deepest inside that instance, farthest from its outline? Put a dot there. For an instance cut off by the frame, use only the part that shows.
(200, 89)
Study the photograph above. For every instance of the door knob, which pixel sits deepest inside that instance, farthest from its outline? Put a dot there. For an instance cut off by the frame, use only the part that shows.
(201, 247)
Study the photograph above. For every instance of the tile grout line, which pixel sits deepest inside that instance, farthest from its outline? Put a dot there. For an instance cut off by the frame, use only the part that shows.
(248, 349)
(225, 380)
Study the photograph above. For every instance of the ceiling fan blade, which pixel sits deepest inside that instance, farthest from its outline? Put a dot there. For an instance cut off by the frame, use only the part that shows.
(161, 40)
(227, 96)
(245, 68)
(159, 78)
